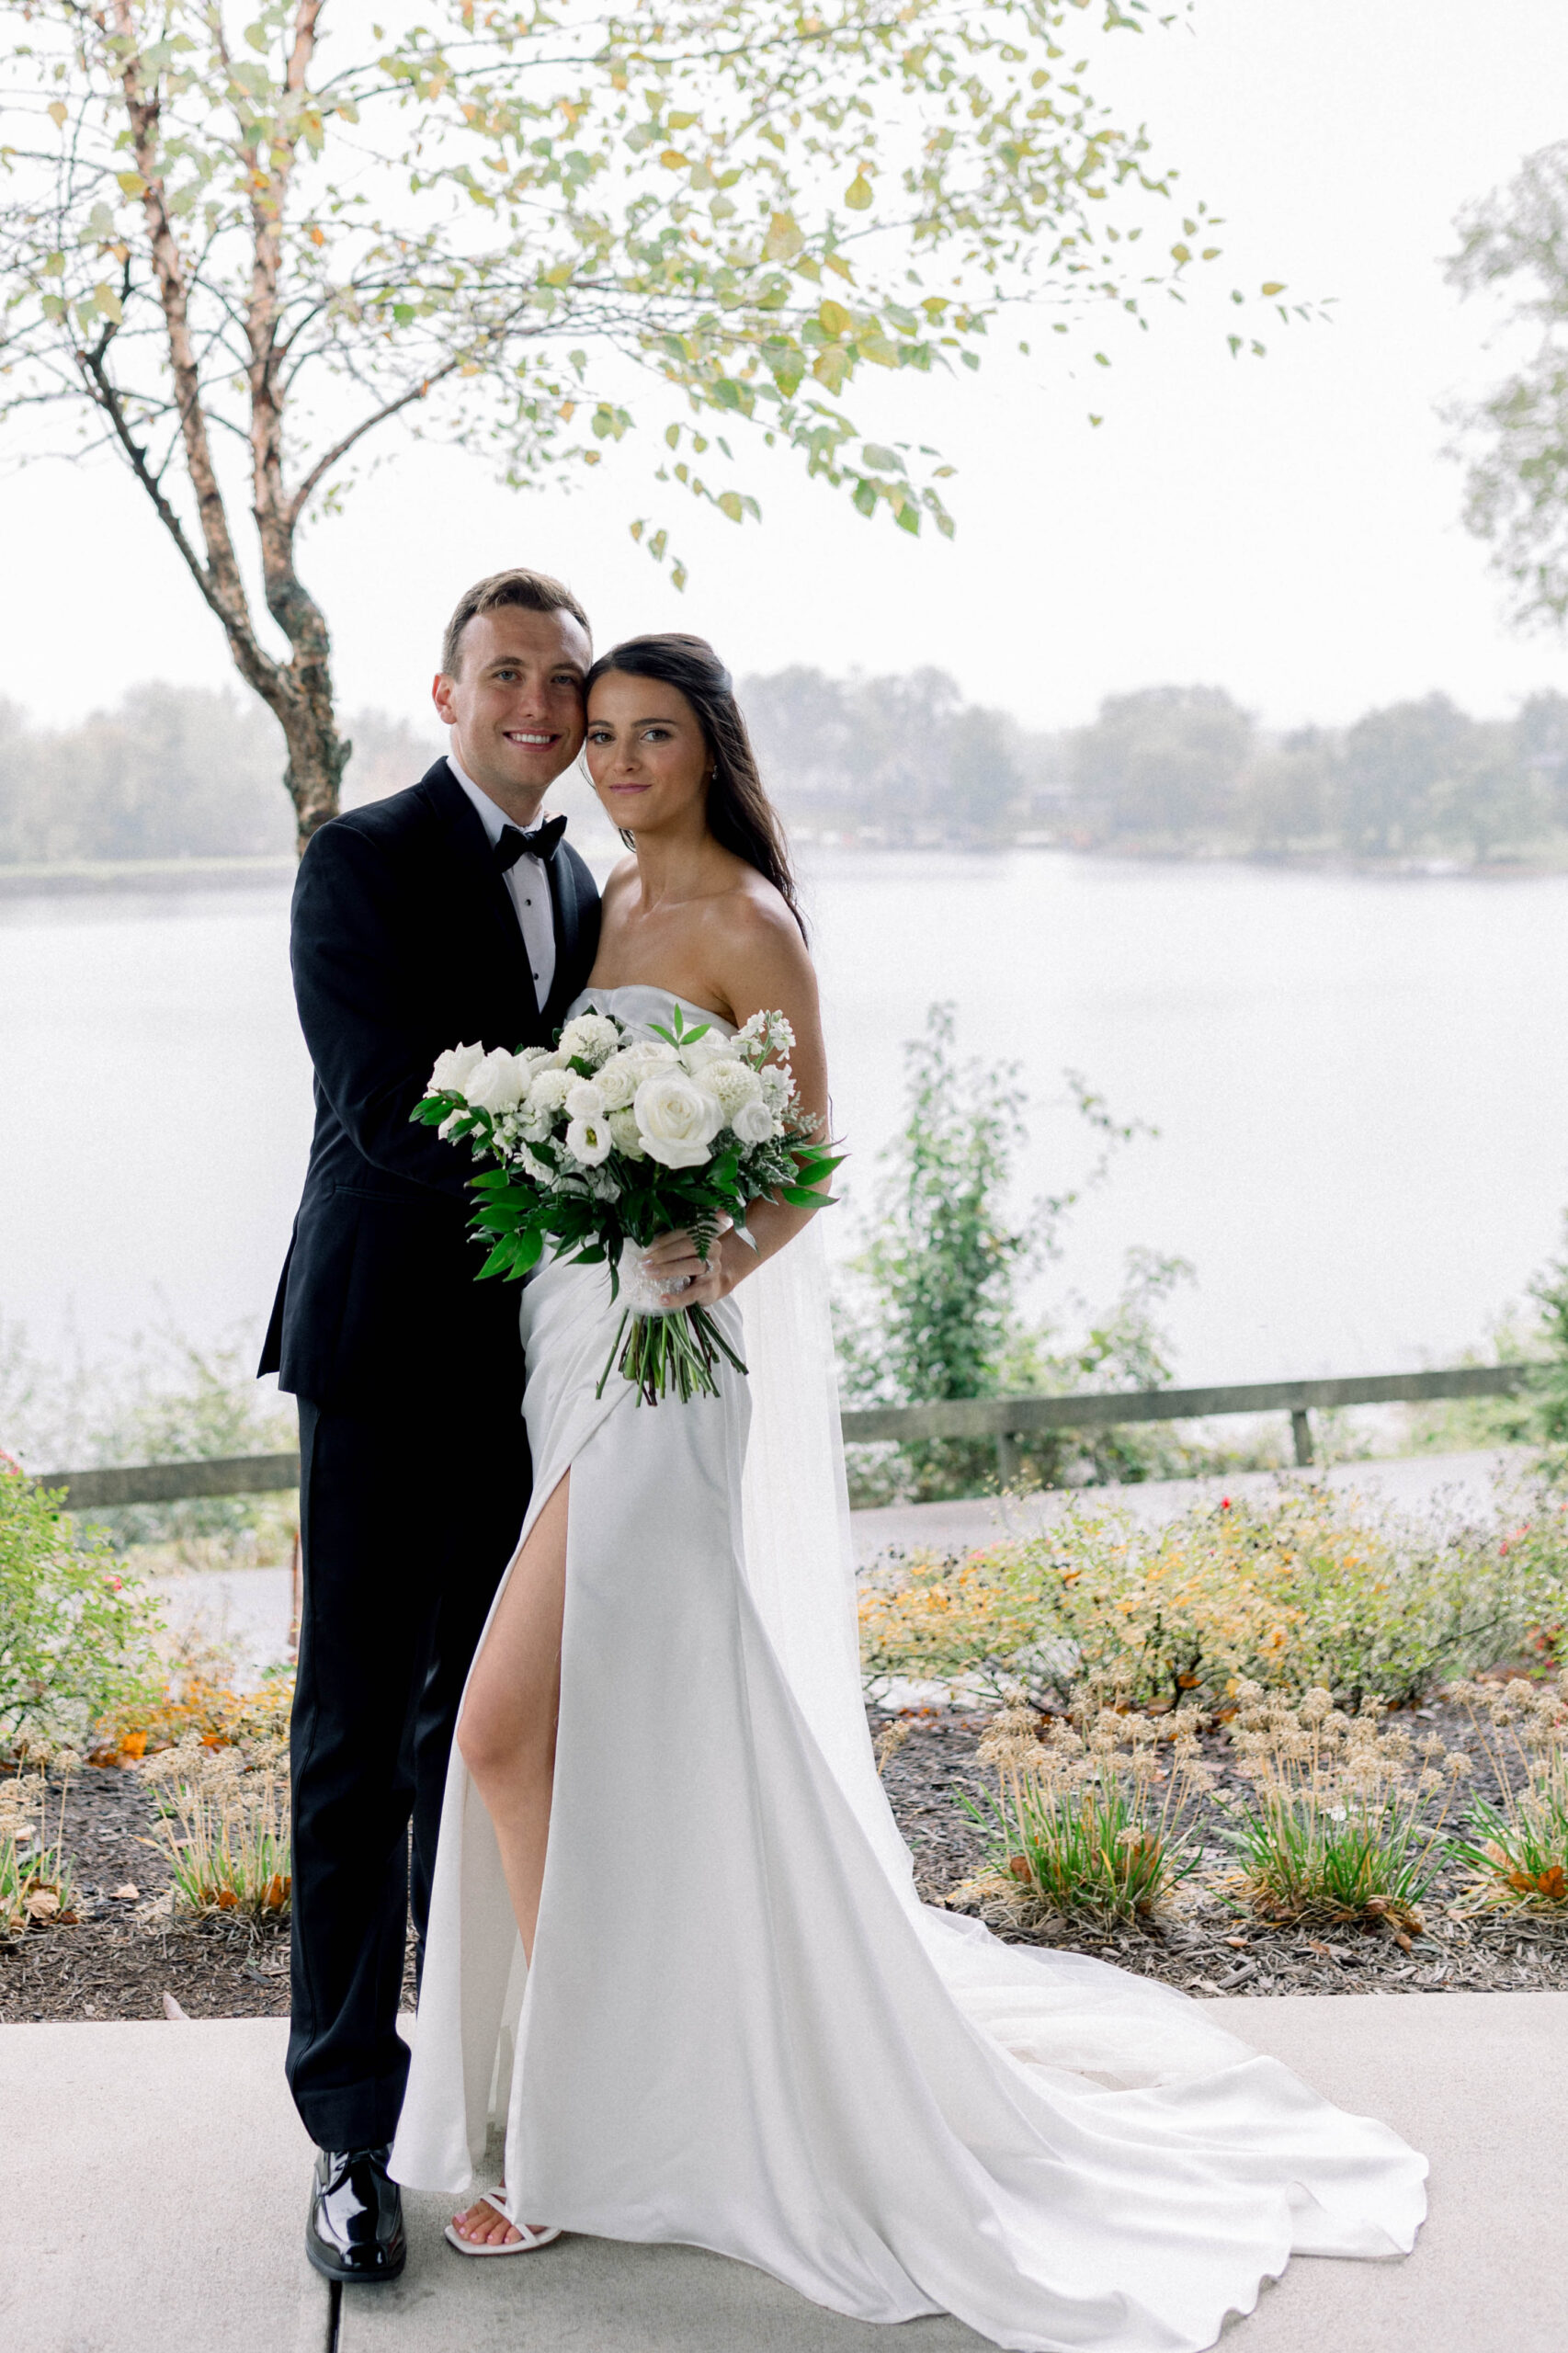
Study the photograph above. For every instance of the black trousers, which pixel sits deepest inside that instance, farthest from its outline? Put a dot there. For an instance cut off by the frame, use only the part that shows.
(407, 1522)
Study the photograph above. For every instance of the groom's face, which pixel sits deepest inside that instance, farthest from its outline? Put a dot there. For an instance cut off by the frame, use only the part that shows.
(515, 707)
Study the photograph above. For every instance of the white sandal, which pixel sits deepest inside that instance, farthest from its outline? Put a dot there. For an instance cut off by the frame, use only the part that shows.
(524, 2244)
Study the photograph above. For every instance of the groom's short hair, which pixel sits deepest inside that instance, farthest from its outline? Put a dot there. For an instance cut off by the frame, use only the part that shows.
(536, 592)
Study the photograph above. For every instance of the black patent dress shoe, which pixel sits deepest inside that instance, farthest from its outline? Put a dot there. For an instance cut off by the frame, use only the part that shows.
(355, 2231)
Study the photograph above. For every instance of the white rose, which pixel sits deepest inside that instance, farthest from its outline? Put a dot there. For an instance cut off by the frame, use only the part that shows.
(618, 1080)
(592, 1038)
(677, 1120)
(753, 1124)
(734, 1084)
(586, 1101)
(450, 1074)
(588, 1140)
(549, 1092)
(496, 1084)
(628, 1136)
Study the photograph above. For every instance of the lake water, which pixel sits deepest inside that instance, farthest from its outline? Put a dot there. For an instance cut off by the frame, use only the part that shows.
(1357, 1082)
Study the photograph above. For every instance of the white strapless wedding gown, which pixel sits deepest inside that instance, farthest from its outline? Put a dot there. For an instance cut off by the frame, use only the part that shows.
(742, 2029)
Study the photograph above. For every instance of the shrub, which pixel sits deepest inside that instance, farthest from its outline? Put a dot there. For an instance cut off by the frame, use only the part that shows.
(1088, 1819)
(1517, 1853)
(1341, 1824)
(75, 1634)
(1302, 1588)
(194, 1707)
(932, 1309)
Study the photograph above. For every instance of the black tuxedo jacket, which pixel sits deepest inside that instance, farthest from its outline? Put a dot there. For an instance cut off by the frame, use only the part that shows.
(404, 940)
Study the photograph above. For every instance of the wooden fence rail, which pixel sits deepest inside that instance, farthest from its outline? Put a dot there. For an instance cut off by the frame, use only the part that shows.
(1005, 1420)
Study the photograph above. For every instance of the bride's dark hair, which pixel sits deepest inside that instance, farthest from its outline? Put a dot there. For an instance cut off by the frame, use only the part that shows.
(740, 815)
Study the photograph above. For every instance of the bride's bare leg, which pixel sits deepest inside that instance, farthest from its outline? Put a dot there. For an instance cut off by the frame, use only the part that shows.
(506, 1734)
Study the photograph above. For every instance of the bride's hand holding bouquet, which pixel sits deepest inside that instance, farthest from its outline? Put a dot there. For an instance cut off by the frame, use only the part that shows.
(608, 1142)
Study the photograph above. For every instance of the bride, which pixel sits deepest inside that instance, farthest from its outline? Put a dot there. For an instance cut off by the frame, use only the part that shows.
(675, 1945)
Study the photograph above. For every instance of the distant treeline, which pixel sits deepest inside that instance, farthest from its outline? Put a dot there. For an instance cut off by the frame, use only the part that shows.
(173, 772)
(1169, 768)
(179, 772)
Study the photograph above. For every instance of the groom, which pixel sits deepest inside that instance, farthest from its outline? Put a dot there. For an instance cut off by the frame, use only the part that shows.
(441, 916)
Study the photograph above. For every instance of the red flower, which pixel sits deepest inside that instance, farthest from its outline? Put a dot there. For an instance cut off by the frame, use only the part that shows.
(1224, 1503)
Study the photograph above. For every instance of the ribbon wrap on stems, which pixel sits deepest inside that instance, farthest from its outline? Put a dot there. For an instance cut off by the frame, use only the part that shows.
(660, 1346)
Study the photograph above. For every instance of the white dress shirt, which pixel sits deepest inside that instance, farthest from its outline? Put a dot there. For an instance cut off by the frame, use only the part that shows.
(528, 883)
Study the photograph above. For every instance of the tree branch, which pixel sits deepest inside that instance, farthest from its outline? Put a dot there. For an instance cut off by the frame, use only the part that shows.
(339, 449)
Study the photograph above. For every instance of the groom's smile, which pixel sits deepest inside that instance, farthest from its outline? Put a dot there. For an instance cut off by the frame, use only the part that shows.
(514, 703)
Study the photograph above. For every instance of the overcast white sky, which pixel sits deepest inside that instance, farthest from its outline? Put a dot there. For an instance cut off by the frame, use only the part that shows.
(1289, 529)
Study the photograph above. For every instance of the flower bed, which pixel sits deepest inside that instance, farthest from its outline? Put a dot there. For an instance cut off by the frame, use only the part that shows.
(1306, 1589)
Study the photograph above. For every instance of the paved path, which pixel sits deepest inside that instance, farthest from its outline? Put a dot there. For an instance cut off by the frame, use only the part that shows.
(1417, 1483)
(152, 2181)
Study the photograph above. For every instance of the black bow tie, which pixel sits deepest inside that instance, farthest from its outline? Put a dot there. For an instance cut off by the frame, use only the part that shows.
(542, 842)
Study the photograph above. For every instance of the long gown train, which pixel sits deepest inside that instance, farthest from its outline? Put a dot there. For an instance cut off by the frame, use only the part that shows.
(742, 2030)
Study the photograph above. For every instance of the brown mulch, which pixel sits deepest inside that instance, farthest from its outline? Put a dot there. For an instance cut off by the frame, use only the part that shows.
(120, 1957)
(123, 1954)
(1207, 1947)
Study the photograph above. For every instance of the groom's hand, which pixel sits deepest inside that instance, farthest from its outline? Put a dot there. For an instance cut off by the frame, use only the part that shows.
(675, 1263)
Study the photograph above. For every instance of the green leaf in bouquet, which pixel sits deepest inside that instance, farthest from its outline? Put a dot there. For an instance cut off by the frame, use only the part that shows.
(499, 1217)
(499, 1261)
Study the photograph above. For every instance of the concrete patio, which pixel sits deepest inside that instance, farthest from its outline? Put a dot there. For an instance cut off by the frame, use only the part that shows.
(153, 2183)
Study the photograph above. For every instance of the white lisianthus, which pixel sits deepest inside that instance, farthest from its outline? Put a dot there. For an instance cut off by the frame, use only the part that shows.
(734, 1084)
(495, 1084)
(586, 1101)
(617, 1081)
(592, 1038)
(777, 1083)
(589, 1140)
(627, 1134)
(452, 1070)
(754, 1122)
(549, 1092)
(677, 1120)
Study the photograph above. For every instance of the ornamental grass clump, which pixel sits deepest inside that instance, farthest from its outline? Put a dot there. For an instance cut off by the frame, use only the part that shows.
(1517, 1854)
(36, 1879)
(224, 1823)
(1088, 1819)
(1344, 1822)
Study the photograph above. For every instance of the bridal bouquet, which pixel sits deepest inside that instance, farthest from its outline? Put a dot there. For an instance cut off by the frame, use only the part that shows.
(605, 1142)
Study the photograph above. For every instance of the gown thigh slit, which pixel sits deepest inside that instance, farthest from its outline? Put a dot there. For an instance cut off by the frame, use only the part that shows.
(741, 2029)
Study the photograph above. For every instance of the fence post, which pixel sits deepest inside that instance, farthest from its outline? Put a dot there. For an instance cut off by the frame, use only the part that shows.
(1007, 1459)
(1302, 1431)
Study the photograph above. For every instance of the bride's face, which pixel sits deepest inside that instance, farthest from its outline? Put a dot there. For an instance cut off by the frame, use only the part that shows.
(646, 753)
